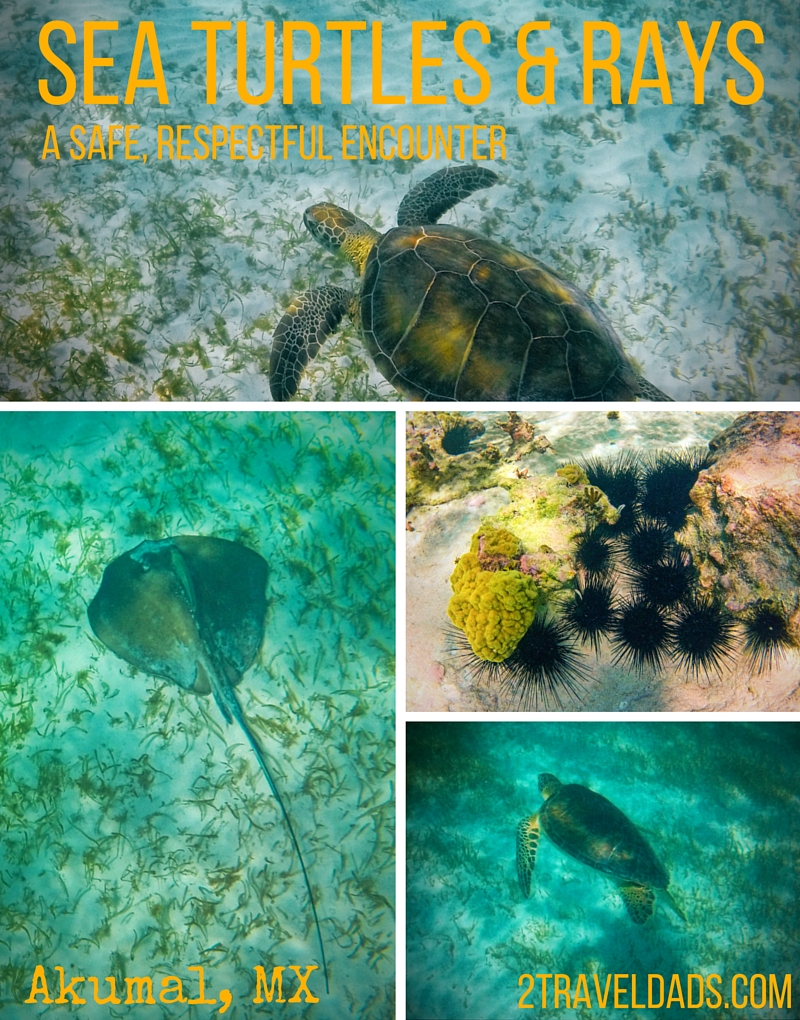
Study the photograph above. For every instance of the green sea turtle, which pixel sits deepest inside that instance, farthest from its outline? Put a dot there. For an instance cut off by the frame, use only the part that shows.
(449, 315)
(588, 827)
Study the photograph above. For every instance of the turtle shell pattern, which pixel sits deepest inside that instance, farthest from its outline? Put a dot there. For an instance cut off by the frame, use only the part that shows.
(587, 826)
(450, 315)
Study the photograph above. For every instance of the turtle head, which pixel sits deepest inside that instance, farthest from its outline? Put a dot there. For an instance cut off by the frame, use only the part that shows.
(548, 784)
(335, 228)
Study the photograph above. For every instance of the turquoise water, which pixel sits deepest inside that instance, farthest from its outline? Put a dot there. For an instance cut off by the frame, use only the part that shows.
(165, 280)
(718, 802)
(139, 836)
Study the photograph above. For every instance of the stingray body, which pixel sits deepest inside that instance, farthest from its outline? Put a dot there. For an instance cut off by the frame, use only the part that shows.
(191, 609)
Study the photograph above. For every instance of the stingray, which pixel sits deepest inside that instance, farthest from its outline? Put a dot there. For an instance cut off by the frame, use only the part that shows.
(191, 609)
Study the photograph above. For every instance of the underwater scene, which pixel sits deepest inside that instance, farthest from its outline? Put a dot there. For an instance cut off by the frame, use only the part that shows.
(670, 223)
(603, 561)
(629, 862)
(197, 713)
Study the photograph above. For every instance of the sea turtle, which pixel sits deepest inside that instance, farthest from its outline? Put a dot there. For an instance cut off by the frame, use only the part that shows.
(449, 315)
(588, 827)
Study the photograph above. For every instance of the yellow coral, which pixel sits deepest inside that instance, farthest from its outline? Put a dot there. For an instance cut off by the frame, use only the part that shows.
(494, 608)
(496, 542)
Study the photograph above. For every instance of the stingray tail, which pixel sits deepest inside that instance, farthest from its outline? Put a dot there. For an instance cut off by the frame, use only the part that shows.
(231, 709)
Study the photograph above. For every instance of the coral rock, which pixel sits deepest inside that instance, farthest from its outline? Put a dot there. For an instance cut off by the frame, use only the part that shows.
(746, 537)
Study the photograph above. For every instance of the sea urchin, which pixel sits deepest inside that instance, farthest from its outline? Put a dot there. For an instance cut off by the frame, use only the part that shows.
(665, 582)
(703, 635)
(593, 551)
(590, 612)
(766, 636)
(543, 664)
(641, 635)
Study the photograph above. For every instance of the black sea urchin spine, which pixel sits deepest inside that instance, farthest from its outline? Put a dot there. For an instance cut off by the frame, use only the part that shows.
(647, 542)
(666, 582)
(590, 612)
(766, 636)
(668, 478)
(703, 635)
(594, 551)
(456, 440)
(620, 479)
(544, 663)
(641, 635)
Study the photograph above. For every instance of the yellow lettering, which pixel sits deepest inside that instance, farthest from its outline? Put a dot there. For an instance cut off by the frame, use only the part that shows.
(164, 140)
(90, 61)
(650, 979)
(497, 140)
(141, 984)
(377, 68)
(559, 991)
(73, 133)
(241, 64)
(303, 979)
(146, 34)
(69, 990)
(581, 993)
(211, 28)
(167, 984)
(39, 981)
(699, 64)
(261, 979)
(734, 999)
(203, 152)
(778, 995)
(112, 998)
(346, 28)
(748, 65)
(251, 152)
(590, 64)
(675, 992)
(602, 997)
(650, 33)
(130, 140)
(96, 142)
(236, 141)
(716, 1001)
(690, 978)
(290, 62)
(69, 75)
(549, 62)
(50, 145)
(483, 75)
(418, 62)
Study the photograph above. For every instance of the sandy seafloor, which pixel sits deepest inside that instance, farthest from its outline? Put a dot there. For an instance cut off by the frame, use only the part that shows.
(718, 802)
(138, 835)
(165, 281)
(437, 679)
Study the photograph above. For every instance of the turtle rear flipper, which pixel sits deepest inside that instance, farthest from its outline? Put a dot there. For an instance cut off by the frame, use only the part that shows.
(308, 322)
(433, 197)
(527, 845)
(640, 901)
(647, 391)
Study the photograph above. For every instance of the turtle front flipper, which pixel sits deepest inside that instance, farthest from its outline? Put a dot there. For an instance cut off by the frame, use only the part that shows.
(640, 901)
(527, 845)
(431, 198)
(308, 322)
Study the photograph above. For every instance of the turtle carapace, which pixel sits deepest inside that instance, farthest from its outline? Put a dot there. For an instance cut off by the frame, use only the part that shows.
(447, 314)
